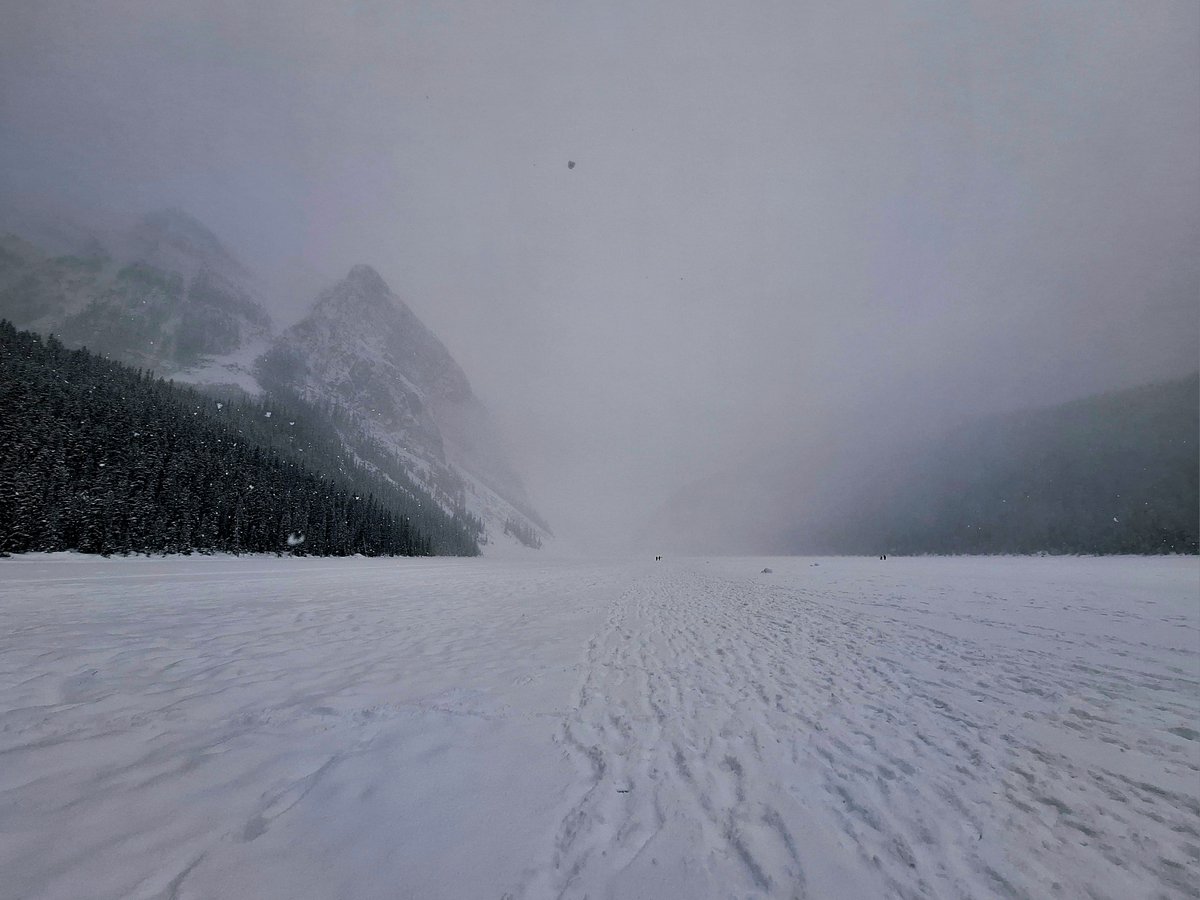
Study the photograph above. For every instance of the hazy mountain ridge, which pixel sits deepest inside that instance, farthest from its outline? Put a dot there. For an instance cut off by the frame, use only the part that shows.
(164, 295)
(167, 295)
(1110, 473)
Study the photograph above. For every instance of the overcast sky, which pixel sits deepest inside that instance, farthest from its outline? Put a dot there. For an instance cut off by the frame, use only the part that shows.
(784, 216)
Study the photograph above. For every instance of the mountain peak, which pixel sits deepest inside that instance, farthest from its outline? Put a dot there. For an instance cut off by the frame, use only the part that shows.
(367, 279)
(364, 293)
(173, 220)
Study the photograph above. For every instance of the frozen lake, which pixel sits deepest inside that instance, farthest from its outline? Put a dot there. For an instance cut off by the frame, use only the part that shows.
(278, 728)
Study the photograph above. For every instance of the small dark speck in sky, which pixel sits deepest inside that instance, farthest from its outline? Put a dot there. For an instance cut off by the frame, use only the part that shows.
(570, 163)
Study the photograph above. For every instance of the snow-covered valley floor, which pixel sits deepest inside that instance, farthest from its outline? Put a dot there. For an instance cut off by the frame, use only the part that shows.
(841, 728)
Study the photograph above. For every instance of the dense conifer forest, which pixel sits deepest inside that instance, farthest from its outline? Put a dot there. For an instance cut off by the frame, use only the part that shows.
(98, 457)
(1110, 474)
(523, 533)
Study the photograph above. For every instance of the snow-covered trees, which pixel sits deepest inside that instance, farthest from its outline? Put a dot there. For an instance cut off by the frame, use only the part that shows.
(99, 457)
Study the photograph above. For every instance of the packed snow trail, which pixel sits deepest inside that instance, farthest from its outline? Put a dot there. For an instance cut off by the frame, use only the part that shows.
(205, 728)
(745, 739)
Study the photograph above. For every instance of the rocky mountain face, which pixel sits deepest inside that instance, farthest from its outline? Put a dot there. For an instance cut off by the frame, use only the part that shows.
(365, 356)
(166, 295)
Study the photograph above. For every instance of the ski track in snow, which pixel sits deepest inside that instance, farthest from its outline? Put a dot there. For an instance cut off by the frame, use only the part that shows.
(519, 729)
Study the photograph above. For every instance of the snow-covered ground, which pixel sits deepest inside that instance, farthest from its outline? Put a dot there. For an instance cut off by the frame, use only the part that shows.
(842, 728)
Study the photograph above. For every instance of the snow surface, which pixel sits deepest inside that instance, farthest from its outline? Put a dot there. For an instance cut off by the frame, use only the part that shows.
(286, 728)
(234, 369)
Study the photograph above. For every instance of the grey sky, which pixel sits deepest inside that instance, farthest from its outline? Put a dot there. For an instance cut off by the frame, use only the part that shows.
(785, 217)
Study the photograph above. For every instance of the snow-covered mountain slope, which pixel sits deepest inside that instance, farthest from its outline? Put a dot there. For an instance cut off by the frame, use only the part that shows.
(165, 295)
(388, 381)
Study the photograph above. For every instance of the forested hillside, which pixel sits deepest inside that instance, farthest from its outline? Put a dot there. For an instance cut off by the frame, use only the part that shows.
(99, 457)
(1114, 473)
(1108, 474)
(165, 294)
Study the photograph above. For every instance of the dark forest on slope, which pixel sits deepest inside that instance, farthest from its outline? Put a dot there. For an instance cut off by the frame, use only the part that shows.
(99, 457)
(1108, 474)
(1114, 473)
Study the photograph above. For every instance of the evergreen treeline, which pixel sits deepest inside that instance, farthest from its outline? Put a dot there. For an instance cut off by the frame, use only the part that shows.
(101, 458)
(1116, 473)
(523, 532)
